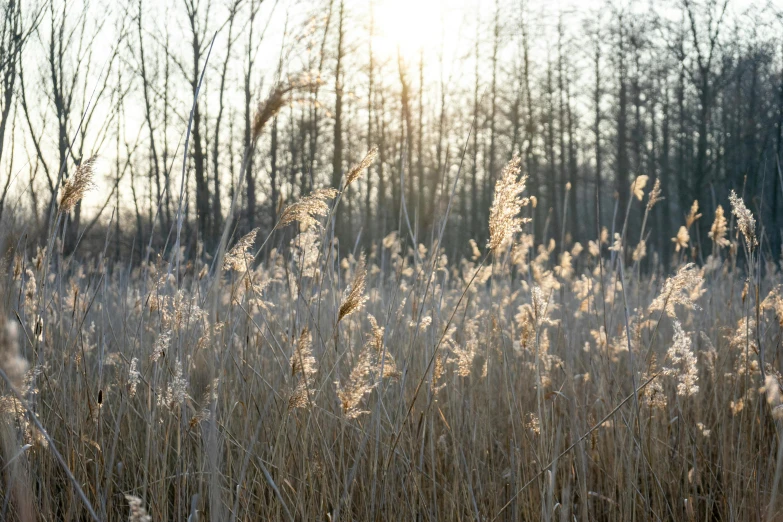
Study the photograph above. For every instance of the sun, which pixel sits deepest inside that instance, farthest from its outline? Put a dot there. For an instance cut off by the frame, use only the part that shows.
(407, 27)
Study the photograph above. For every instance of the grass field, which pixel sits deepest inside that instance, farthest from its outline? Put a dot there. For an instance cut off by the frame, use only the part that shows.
(556, 381)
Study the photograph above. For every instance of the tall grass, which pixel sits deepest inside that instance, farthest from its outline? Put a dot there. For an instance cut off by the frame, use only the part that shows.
(398, 384)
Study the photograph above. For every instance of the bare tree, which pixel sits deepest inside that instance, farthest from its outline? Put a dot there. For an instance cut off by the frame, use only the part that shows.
(224, 72)
(704, 39)
(11, 41)
(622, 179)
(149, 109)
(198, 24)
(71, 93)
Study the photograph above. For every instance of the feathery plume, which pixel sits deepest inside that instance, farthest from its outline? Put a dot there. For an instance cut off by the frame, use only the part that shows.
(640, 251)
(438, 370)
(354, 298)
(465, 356)
(176, 392)
(358, 385)
(693, 215)
(745, 220)
(681, 239)
(74, 188)
(718, 230)
(269, 108)
(303, 363)
(391, 241)
(133, 377)
(161, 346)
(772, 390)
(356, 171)
(653, 395)
(565, 268)
(681, 289)
(504, 220)
(137, 511)
(365, 376)
(305, 250)
(238, 258)
(475, 253)
(617, 246)
(637, 187)
(681, 353)
(655, 194)
(308, 209)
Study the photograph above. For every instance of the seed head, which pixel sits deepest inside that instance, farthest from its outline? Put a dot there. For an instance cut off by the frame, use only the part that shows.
(693, 215)
(745, 220)
(238, 257)
(74, 188)
(681, 354)
(133, 377)
(640, 251)
(681, 239)
(637, 187)
(308, 209)
(269, 108)
(504, 220)
(365, 376)
(655, 195)
(176, 392)
(354, 297)
(356, 171)
(718, 230)
(682, 288)
(137, 511)
(304, 362)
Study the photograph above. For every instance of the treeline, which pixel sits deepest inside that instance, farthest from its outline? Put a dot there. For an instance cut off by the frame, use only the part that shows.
(691, 95)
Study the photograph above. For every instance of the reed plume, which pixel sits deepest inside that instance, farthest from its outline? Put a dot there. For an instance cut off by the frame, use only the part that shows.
(74, 188)
(238, 258)
(303, 363)
(354, 297)
(504, 220)
(680, 289)
(693, 215)
(366, 374)
(637, 187)
(745, 220)
(719, 228)
(356, 171)
(307, 210)
(137, 511)
(681, 239)
(269, 108)
(680, 353)
(133, 377)
(655, 195)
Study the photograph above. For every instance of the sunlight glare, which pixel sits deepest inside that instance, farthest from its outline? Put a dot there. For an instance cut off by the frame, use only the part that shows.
(407, 26)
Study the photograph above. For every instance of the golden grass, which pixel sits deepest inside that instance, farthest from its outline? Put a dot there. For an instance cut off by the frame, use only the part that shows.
(557, 383)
